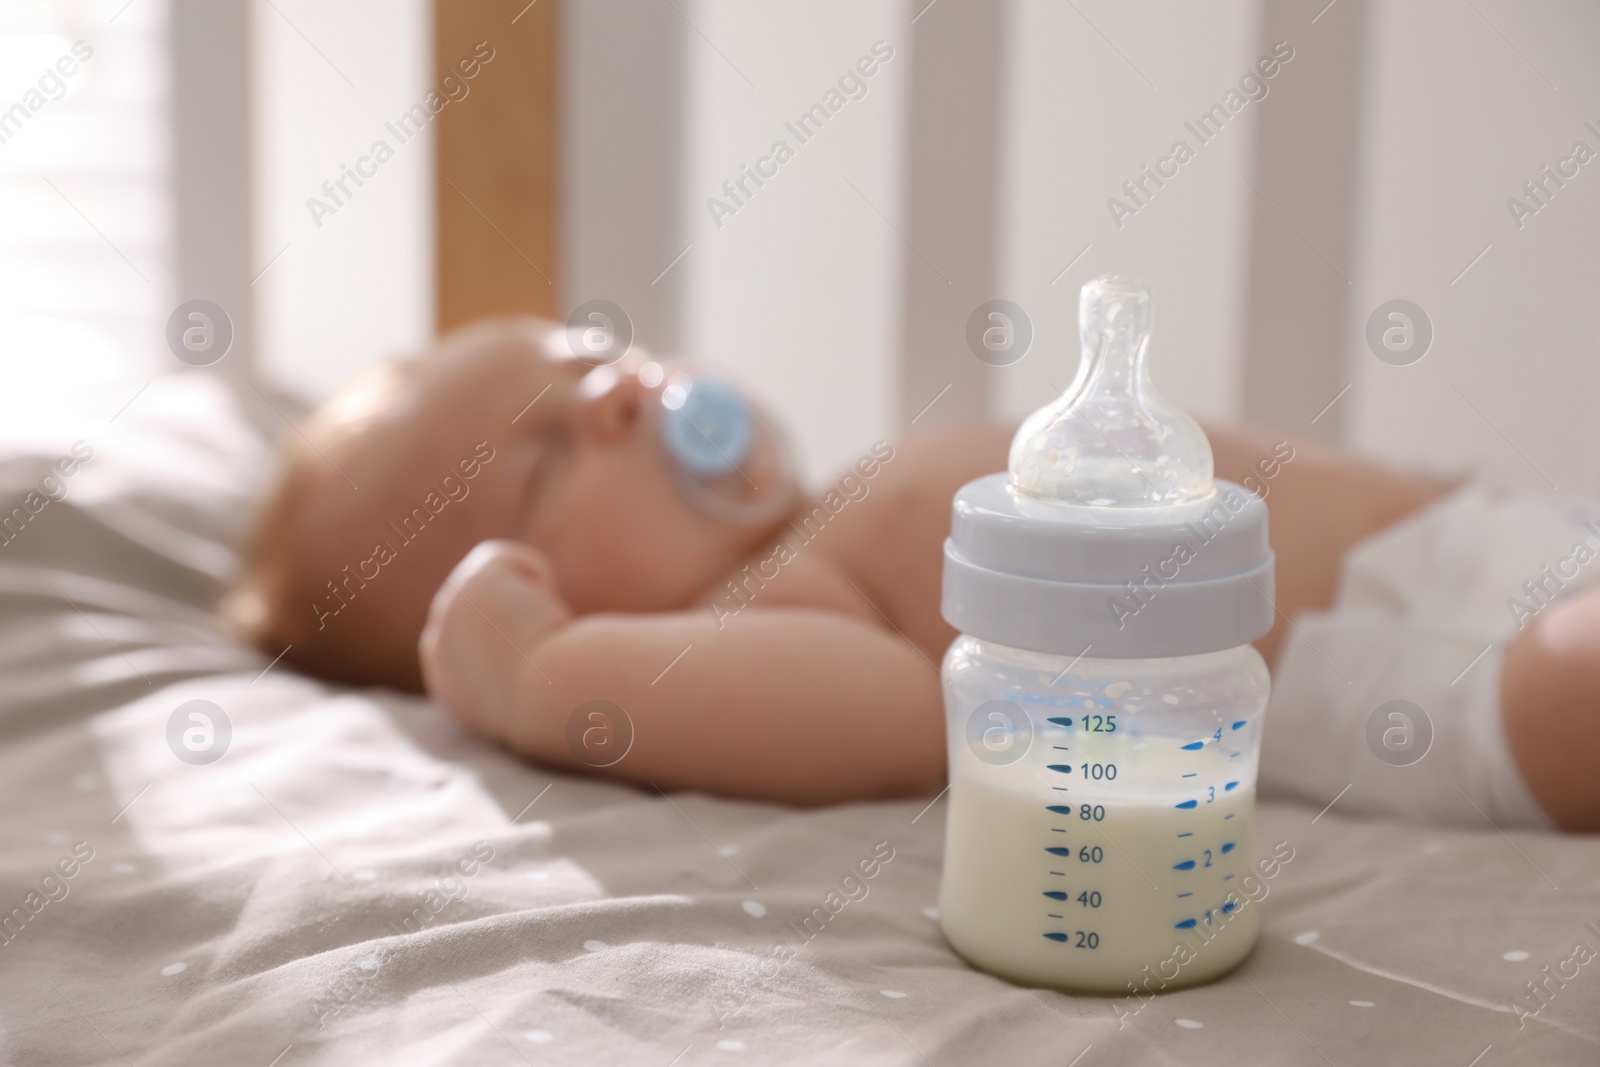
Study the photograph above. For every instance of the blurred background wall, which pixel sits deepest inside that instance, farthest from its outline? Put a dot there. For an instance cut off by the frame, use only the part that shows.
(1468, 103)
(983, 158)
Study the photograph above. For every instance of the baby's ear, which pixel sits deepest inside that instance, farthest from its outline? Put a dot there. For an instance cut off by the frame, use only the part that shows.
(611, 403)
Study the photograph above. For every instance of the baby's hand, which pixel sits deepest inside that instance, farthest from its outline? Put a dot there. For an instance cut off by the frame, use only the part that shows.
(485, 622)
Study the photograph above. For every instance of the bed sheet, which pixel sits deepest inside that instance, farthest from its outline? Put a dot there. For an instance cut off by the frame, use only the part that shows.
(357, 881)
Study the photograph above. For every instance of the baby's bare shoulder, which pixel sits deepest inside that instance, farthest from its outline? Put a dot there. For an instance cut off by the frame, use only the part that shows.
(875, 528)
(882, 528)
(945, 458)
(915, 485)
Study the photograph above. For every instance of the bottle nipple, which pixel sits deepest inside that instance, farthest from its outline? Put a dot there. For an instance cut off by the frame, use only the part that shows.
(1111, 440)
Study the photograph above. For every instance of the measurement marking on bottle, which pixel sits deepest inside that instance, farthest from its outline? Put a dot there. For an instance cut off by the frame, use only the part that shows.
(1194, 746)
(1053, 915)
(1227, 847)
(1086, 938)
(1187, 833)
(1227, 878)
(1061, 789)
(1187, 924)
(1059, 874)
(1057, 830)
(1056, 894)
(1063, 768)
(1228, 816)
(1186, 865)
(1192, 774)
(1190, 893)
(1059, 851)
(1059, 809)
(1063, 722)
(1062, 748)
(1185, 805)
(1230, 787)
(1239, 725)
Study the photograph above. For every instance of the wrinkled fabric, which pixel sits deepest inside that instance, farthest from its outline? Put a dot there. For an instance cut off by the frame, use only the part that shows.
(357, 881)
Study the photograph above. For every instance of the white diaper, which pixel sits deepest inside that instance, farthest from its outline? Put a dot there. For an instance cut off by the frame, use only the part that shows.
(1416, 606)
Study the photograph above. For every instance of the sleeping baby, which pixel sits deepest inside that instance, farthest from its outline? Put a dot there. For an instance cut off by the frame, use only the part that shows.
(522, 532)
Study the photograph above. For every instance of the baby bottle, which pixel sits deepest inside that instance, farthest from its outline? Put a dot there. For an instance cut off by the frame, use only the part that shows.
(1104, 705)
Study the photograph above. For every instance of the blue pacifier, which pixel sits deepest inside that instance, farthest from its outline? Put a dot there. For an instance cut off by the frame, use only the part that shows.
(707, 427)
(732, 463)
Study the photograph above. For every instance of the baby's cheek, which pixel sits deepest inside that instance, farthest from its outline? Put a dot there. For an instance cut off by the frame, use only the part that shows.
(630, 543)
(595, 559)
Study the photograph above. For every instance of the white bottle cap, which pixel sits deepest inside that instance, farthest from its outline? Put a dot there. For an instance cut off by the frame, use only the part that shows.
(1109, 534)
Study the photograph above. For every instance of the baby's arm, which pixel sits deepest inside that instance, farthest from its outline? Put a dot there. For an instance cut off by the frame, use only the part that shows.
(789, 704)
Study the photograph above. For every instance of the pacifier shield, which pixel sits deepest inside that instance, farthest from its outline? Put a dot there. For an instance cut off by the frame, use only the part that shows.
(707, 427)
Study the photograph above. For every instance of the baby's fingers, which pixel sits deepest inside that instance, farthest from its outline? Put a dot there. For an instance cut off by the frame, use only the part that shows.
(502, 591)
(492, 562)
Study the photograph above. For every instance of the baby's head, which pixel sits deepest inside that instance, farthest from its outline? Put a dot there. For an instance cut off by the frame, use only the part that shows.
(498, 432)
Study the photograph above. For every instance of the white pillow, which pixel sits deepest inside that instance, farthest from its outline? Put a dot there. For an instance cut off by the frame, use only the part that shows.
(117, 539)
